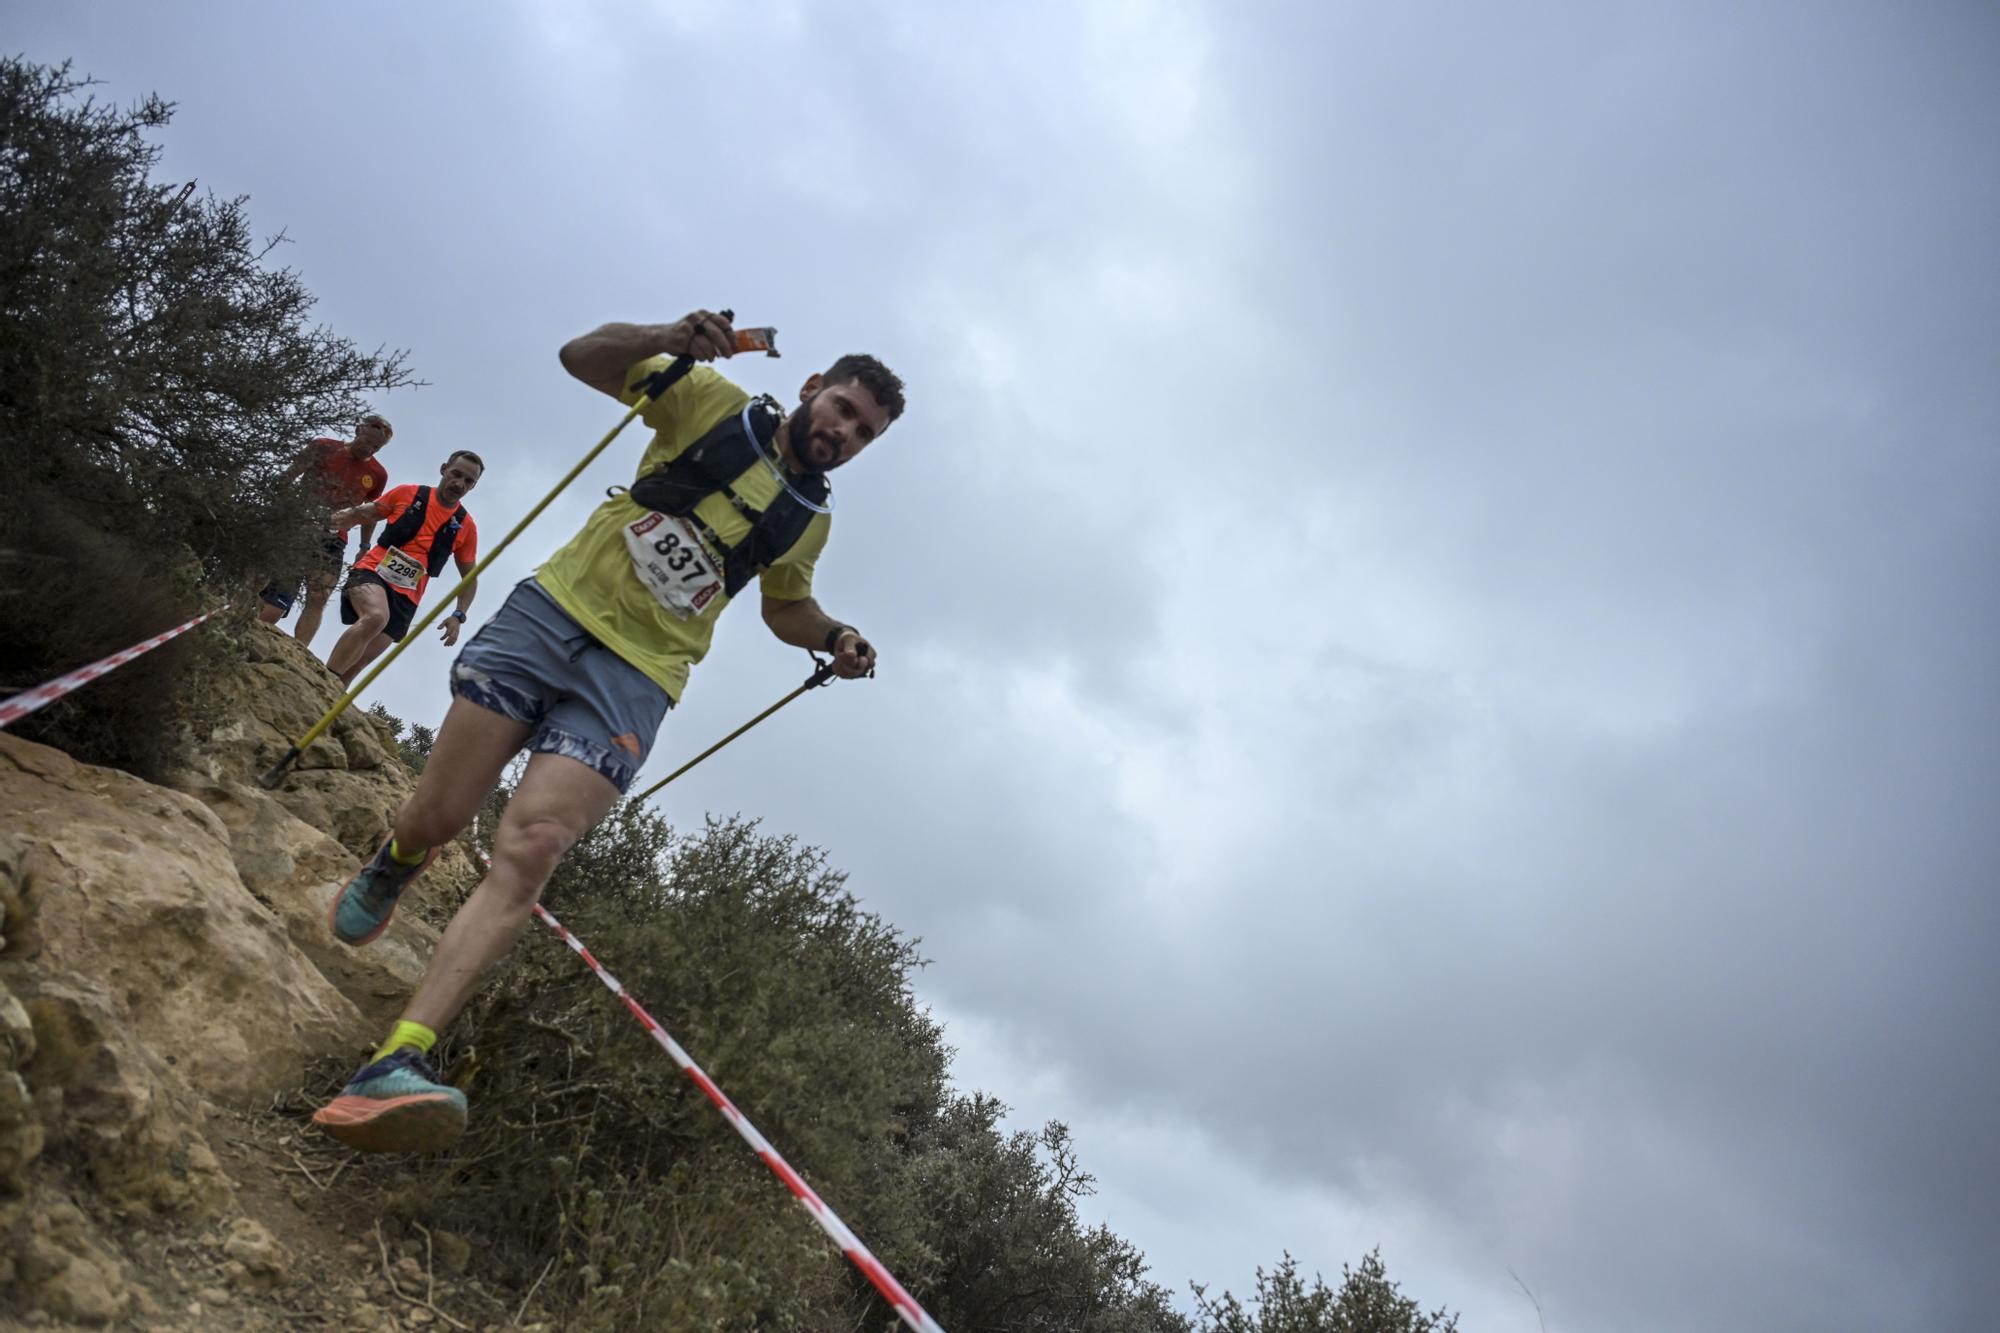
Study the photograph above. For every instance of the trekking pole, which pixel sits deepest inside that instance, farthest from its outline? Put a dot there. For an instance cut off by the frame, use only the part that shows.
(655, 384)
(822, 673)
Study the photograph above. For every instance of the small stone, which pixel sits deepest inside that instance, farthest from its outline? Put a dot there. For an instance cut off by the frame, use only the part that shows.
(454, 1253)
(213, 1296)
(252, 1249)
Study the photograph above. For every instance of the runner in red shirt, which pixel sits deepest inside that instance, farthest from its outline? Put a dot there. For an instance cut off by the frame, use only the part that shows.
(425, 526)
(344, 473)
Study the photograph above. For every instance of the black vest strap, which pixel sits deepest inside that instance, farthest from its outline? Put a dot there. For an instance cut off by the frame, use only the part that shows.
(411, 523)
(723, 454)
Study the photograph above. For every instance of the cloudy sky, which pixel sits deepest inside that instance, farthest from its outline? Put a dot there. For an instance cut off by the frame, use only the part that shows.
(1435, 686)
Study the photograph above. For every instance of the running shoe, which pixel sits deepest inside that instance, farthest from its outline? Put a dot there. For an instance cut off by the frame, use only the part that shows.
(363, 908)
(395, 1104)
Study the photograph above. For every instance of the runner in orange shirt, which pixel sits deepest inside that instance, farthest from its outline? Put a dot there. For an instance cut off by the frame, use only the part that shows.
(345, 473)
(424, 526)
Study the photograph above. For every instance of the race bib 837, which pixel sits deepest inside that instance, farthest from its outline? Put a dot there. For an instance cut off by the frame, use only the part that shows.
(672, 562)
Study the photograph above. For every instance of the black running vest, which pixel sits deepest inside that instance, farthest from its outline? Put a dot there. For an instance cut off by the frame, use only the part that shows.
(406, 528)
(720, 457)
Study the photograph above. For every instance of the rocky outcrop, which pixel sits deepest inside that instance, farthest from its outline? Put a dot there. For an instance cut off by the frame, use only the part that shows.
(164, 953)
(139, 896)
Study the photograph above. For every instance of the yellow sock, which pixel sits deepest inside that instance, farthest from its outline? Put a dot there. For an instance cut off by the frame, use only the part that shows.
(403, 858)
(408, 1034)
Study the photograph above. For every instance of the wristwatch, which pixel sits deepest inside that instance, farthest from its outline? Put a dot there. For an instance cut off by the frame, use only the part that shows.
(459, 616)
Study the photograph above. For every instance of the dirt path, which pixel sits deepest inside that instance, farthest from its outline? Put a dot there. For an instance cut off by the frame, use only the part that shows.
(309, 1246)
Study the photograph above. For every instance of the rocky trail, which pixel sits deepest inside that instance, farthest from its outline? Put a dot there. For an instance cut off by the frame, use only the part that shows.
(172, 1007)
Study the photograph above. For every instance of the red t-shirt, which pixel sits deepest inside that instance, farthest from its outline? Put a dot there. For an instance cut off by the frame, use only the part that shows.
(417, 550)
(344, 480)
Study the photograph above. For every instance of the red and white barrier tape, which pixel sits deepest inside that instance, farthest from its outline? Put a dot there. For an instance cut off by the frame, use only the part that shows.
(41, 696)
(829, 1221)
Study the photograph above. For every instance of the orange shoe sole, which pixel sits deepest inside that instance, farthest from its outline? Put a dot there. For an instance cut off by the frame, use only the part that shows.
(420, 1122)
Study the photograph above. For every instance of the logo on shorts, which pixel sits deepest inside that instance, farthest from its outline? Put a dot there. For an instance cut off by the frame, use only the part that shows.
(627, 742)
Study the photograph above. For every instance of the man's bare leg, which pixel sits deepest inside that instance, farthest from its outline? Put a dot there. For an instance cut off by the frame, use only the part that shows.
(472, 750)
(376, 647)
(557, 802)
(371, 615)
(396, 1104)
(317, 591)
(269, 613)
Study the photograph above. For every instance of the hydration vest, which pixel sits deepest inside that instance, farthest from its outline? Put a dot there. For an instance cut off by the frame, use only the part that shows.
(411, 523)
(720, 457)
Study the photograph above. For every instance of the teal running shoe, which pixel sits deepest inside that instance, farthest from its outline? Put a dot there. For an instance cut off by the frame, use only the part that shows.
(395, 1104)
(363, 908)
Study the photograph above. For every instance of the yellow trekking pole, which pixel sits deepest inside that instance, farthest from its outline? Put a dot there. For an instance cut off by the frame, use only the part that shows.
(655, 385)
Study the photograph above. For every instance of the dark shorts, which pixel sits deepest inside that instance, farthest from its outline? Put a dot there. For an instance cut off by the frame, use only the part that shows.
(534, 664)
(401, 609)
(281, 593)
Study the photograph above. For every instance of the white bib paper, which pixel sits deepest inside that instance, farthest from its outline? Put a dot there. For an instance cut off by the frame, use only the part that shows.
(673, 564)
(399, 569)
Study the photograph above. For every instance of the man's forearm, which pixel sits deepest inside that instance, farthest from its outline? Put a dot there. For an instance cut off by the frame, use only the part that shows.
(601, 357)
(802, 624)
(465, 593)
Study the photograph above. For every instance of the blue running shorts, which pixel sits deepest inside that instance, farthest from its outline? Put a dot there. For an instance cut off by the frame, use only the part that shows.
(534, 664)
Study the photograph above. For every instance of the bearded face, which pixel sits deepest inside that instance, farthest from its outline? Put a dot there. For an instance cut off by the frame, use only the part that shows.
(833, 425)
(814, 450)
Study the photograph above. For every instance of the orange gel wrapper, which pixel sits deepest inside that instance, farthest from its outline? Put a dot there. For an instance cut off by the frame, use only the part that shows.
(763, 340)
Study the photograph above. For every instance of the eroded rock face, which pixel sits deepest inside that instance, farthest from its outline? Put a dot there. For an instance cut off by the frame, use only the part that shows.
(138, 893)
(295, 870)
(115, 1108)
(166, 948)
(61, 1265)
(296, 846)
(21, 1135)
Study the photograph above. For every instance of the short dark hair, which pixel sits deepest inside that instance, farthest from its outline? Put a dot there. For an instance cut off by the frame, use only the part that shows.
(872, 375)
(466, 453)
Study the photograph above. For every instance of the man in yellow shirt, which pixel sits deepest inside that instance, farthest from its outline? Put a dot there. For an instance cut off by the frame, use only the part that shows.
(583, 661)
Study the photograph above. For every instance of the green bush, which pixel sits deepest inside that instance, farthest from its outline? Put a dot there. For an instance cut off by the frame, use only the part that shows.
(590, 1153)
(156, 375)
(1367, 1302)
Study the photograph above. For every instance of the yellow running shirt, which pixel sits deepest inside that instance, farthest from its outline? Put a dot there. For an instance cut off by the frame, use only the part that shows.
(596, 577)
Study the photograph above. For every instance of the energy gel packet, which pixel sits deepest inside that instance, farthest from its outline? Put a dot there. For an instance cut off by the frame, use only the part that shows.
(763, 340)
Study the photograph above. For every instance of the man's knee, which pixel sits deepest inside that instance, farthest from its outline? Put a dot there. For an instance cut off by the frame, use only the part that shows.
(531, 849)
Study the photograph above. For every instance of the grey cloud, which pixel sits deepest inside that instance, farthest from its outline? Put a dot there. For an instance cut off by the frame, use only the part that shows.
(1563, 801)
